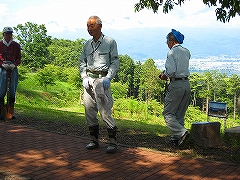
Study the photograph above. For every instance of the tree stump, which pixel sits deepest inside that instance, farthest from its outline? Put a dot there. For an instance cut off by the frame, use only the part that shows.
(233, 134)
(206, 134)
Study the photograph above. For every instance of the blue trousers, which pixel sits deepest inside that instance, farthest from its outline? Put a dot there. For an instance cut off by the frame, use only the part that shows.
(13, 83)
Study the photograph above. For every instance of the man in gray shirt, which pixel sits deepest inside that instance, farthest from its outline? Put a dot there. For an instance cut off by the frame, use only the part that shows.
(99, 64)
(178, 91)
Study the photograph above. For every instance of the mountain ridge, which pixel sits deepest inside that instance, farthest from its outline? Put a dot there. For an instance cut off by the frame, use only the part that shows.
(210, 49)
(143, 43)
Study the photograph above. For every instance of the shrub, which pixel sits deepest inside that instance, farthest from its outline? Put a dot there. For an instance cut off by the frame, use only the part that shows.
(47, 76)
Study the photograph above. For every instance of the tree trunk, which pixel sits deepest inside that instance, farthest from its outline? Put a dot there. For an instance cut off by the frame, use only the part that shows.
(207, 104)
(203, 105)
(214, 94)
(238, 105)
(194, 99)
(207, 99)
(234, 106)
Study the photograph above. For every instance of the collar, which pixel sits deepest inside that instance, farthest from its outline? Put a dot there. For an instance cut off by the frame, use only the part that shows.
(100, 38)
(175, 45)
(7, 43)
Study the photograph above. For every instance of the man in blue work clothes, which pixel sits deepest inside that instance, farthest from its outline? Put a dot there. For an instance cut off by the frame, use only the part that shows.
(178, 91)
(99, 64)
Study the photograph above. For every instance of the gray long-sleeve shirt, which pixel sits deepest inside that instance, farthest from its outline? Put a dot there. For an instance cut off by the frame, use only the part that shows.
(100, 56)
(177, 63)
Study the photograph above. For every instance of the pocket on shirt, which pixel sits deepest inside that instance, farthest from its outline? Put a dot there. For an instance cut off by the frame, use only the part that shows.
(103, 56)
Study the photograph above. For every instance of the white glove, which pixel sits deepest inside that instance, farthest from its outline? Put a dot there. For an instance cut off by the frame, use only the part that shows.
(85, 83)
(12, 66)
(6, 66)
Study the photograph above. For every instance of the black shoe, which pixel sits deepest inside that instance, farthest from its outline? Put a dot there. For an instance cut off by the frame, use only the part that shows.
(183, 138)
(92, 145)
(112, 148)
(174, 141)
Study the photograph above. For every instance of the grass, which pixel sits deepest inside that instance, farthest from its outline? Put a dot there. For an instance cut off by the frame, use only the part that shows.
(61, 102)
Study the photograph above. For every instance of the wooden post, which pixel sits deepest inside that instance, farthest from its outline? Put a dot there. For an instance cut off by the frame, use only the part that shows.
(206, 134)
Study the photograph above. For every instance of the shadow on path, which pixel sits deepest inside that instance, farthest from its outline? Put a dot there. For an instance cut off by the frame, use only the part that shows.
(45, 155)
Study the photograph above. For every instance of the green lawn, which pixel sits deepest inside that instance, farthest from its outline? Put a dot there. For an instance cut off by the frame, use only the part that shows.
(61, 102)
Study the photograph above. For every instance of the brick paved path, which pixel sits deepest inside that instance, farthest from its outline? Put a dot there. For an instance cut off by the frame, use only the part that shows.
(26, 152)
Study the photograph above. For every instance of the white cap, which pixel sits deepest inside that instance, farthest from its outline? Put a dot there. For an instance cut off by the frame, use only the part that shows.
(7, 30)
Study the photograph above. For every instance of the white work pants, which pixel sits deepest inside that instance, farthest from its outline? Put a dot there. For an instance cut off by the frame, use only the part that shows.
(98, 99)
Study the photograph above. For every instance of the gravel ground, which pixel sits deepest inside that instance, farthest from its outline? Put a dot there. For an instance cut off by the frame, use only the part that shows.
(135, 138)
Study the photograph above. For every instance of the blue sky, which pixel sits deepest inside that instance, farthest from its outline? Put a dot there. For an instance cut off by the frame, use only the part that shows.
(70, 15)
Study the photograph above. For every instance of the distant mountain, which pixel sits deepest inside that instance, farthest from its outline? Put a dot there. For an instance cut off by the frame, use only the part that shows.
(210, 48)
(143, 43)
(151, 42)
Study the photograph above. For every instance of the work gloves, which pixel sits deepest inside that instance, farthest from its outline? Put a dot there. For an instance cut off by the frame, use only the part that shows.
(12, 66)
(85, 82)
(106, 83)
(8, 66)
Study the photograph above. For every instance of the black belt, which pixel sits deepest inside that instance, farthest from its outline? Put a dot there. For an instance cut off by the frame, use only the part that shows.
(178, 79)
(104, 73)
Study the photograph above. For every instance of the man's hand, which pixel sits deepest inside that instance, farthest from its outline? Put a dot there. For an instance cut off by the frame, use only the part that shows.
(6, 66)
(106, 83)
(162, 76)
(85, 83)
(12, 66)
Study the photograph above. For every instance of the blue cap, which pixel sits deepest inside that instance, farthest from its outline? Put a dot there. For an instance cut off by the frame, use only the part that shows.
(178, 36)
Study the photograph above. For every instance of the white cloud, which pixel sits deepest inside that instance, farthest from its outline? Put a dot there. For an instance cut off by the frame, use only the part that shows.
(70, 15)
(4, 10)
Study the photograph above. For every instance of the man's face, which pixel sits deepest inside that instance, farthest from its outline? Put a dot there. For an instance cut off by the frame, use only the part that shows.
(93, 28)
(7, 36)
(170, 43)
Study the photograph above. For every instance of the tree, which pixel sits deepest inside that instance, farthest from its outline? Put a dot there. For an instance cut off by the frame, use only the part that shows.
(226, 9)
(125, 74)
(206, 91)
(150, 86)
(136, 78)
(119, 90)
(238, 105)
(65, 53)
(46, 76)
(234, 89)
(34, 41)
(196, 85)
(218, 85)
